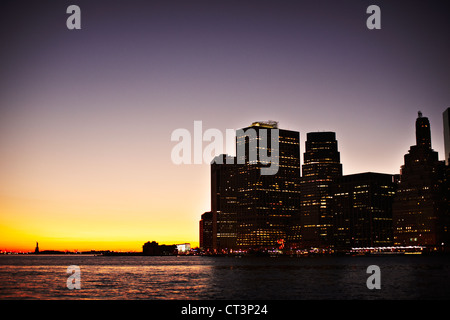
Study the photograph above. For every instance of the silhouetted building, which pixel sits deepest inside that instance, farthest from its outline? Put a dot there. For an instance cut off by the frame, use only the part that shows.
(446, 200)
(420, 215)
(362, 209)
(423, 132)
(36, 250)
(154, 249)
(224, 202)
(206, 231)
(320, 170)
(446, 117)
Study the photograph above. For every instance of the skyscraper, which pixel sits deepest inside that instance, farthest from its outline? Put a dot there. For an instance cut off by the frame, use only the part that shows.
(420, 216)
(446, 117)
(266, 203)
(320, 170)
(252, 208)
(224, 202)
(362, 207)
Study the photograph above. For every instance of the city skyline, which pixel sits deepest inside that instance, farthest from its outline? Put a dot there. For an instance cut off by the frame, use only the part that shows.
(322, 209)
(87, 114)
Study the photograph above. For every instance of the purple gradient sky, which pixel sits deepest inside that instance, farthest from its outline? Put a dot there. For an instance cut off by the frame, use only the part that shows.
(86, 116)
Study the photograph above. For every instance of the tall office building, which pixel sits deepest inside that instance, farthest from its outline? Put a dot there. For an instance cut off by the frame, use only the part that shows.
(320, 170)
(420, 216)
(255, 194)
(446, 116)
(267, 202)
(224, 202)
(207, 231)
(362, 207)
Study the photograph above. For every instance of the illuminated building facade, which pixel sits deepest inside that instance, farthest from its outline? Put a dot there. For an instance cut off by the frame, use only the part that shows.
(267, 203)
(251, 209)
(420, 214)
(362, 209)
(320, 170)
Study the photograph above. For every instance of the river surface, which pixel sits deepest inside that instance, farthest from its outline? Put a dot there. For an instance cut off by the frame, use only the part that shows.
(212, 278)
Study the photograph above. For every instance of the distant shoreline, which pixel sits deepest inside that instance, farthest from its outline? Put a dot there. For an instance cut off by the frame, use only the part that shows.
(140, 254)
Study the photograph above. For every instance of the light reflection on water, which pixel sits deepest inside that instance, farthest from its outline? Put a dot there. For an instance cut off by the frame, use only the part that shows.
(44, 277)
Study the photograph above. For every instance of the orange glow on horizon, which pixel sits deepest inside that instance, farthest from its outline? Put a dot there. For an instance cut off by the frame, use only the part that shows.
(87, 223)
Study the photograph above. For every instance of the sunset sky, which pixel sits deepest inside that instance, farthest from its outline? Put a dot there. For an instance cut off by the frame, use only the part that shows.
(86, 115)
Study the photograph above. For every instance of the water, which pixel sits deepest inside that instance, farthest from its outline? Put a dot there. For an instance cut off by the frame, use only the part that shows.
(193, 277)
